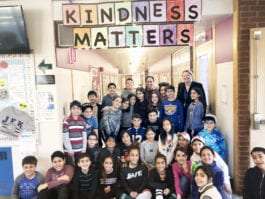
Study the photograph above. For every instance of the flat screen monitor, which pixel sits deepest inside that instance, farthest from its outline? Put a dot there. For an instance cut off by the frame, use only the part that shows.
(13, 33)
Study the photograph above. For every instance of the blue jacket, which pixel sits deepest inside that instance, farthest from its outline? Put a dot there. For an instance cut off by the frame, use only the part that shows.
(195, 122)
(215, 140)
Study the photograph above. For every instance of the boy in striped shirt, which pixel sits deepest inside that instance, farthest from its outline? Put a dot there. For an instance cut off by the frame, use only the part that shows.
(74, 133)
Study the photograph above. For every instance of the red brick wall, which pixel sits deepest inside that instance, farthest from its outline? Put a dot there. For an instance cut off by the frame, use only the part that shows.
(251, 14)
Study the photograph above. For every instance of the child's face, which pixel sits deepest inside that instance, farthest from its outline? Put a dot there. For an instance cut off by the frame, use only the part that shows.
(75, 111)
(92, 141)
(134, 157)
(132, 100)
(149, 83)
(58, 163)
(112, 90)
(181, 157)
(116, 103)
(136, 122)
(207, 156)
(170, 93)
(160, 164)
(152, 117)
(259, 159)
(92, 99)
(194, 95)
(182, 142)
(108, 164)
(196, 146)
(154, 98)
(209, 125)
(110, 143)
(125, 104)
(201, 178)
(84, 163)
(163, 91)
(88, 113)
(150, 135)
(126, 139)
(140, 95)
(166, 126)
(29, 170)
(129, 84)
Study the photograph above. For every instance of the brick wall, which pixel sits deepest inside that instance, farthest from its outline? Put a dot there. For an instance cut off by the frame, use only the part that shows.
(251, 14)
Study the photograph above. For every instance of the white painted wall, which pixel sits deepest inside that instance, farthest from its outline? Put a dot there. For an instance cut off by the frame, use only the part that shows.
(224, 107)
(39, 22)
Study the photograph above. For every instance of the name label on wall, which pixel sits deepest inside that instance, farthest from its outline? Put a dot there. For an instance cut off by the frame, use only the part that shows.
(132, 24)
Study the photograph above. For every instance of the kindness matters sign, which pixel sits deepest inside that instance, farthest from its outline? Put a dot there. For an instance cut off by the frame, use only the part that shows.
(132, 24)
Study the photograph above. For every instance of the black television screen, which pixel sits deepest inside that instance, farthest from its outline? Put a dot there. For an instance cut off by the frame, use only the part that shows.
(13, 34)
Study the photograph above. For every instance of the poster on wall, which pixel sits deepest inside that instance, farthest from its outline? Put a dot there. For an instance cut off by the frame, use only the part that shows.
(46, 105)
(17, 101)
(95, 80)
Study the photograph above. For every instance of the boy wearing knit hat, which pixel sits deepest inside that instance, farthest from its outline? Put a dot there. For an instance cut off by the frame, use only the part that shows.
(184, 141)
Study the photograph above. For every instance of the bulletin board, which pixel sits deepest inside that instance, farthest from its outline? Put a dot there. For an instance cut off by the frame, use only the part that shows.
(17, 96)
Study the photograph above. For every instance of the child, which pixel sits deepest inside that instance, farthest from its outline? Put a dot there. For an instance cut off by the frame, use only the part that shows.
(182, 175)
(26, 184)
(153, 122)
(93, 101)
(108, 182)
(132, 100)
(126, 139)
(254, 183)
(134, 178)
(93, 150)
(110, 150)
(162, 90)
(74, 133)
(137, 132)
(148, 149)
(184, 141)
(197, 143)
(126, 118)
(91, 120)
(57, 178)
(167, 141)
(207, 156)
(195, 113)
(155, 102)
(110, 122)
(108, 98)
(203, 178)
(212, 136)
(84, 182)
(141, 104)
(160, 179)
(172, 109)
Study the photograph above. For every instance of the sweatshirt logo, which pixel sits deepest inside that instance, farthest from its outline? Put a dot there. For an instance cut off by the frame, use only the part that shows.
(134, 175)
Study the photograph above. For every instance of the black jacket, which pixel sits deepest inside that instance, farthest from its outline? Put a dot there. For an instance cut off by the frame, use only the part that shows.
(187, 101)
(254, 184)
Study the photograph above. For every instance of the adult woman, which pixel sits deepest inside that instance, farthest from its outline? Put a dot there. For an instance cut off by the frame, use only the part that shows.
(184, 89)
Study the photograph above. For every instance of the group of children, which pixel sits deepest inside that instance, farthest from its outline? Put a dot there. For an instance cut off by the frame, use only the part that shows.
(134, 147)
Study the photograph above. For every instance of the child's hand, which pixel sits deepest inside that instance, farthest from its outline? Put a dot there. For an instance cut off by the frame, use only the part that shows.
(42, 187)
(228, 188)
(133, 194)
(178, 196)
(64, 177)
(166, 191)
(107, 189)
